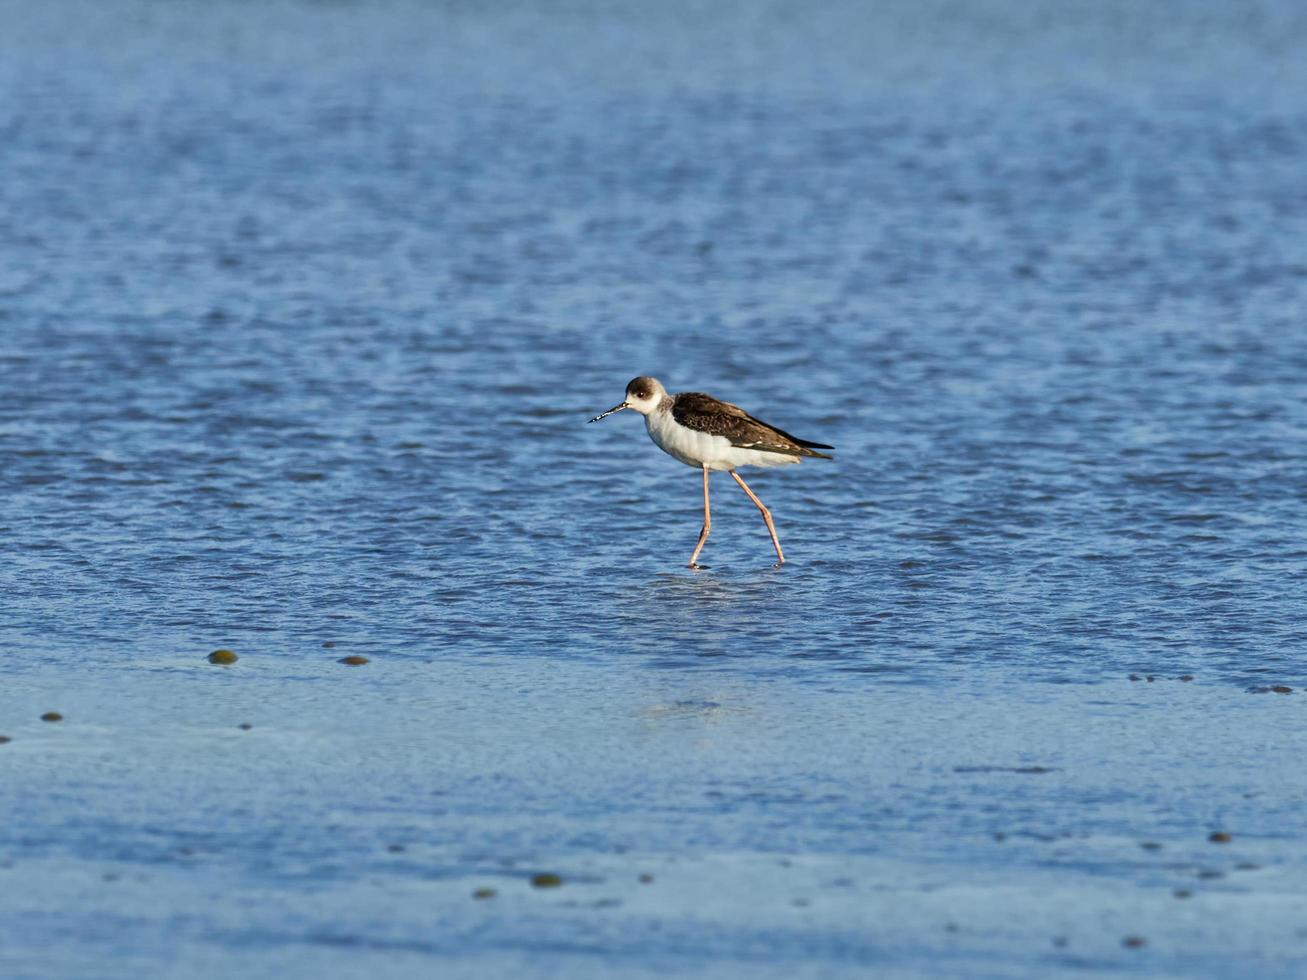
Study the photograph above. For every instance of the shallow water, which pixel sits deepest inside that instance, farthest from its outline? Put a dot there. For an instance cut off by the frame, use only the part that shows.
(302, 315)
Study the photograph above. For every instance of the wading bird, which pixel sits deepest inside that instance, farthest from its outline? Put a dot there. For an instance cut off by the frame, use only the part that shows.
(702, 431)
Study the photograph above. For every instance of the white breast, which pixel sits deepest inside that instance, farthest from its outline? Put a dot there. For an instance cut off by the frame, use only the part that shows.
(697, 448)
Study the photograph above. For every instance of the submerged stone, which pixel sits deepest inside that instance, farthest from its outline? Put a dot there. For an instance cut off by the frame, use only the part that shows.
(546, 879)
(354, 660)
(222, 657)
(52, 716)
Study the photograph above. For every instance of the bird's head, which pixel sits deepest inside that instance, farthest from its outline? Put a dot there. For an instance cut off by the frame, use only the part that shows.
(642, 394)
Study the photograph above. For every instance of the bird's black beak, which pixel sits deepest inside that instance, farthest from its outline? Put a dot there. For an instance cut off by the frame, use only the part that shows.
(605, 415)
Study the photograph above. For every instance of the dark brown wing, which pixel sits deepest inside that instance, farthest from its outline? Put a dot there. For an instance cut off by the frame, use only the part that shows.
(704, 413)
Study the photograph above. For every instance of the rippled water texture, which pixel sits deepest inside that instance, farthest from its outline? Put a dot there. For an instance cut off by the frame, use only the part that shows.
(303, 307)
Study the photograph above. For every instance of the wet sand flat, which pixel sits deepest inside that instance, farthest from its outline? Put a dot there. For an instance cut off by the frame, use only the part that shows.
(987, 828)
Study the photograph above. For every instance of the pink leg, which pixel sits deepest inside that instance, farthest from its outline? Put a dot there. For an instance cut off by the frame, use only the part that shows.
(766, 516)
(707, 522)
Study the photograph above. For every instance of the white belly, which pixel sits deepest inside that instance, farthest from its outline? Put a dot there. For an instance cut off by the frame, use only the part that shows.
(700, 448)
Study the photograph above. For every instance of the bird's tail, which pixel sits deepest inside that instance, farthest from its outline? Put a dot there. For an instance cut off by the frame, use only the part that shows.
(811, 448)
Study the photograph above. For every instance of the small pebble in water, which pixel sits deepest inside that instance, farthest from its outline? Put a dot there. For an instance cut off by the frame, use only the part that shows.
(1220, 837)
(481, 894)
(395, 848)
(1060, 942)
(1281, 689)
(546, 879)
(4, 739)
(52, 716)
(644, 879)
(329, 644)
(245, 726)
(1151, 845)
(222, 657)
(354, 660)
(1134, 942)
(1182, 893)
(1186, 677)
